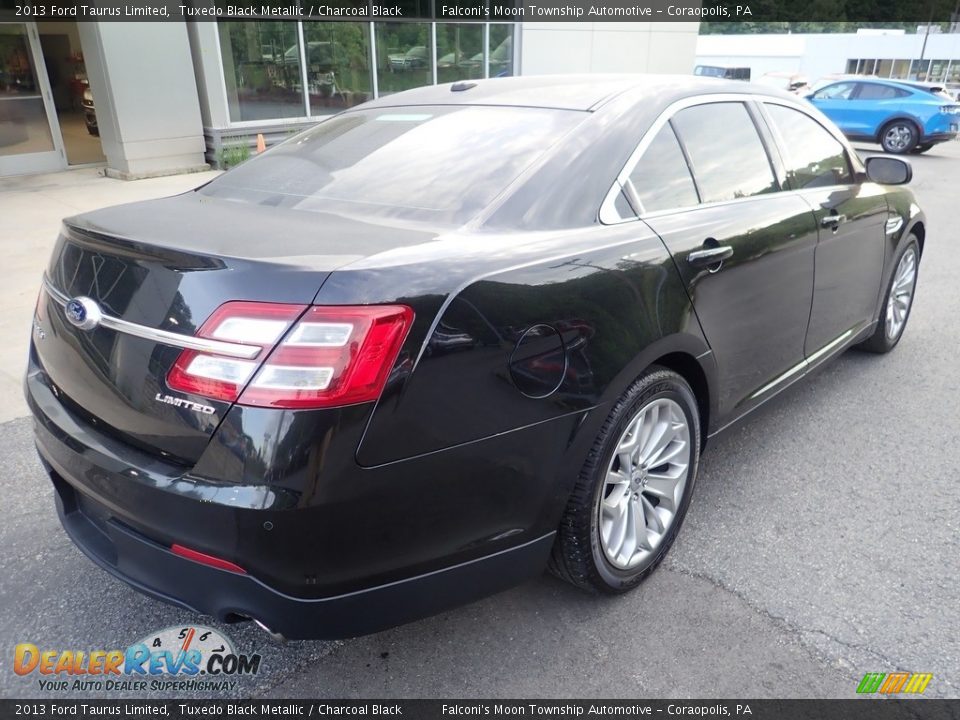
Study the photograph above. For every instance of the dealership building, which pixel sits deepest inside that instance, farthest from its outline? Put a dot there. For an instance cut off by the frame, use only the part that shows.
(930, 57)
(151, 98)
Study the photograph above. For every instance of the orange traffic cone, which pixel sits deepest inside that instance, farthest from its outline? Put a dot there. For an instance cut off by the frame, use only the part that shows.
(261, 143)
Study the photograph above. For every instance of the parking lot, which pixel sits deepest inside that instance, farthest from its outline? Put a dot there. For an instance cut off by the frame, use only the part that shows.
(823, 543)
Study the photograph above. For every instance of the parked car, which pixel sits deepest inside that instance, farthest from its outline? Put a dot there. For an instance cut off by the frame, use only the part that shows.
(721, 71)
(901, 116)
(232, 390)
(791, 82)
(413, 59)
(89, 112)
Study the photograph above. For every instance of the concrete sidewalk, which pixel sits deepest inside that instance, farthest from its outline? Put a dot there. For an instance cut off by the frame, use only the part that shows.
(31, 209)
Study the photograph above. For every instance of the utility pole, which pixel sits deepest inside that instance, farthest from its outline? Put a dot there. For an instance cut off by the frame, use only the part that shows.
(923, 49)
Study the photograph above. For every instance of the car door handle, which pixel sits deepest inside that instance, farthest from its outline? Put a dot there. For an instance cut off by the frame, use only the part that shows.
(710, 255)
(832, 220)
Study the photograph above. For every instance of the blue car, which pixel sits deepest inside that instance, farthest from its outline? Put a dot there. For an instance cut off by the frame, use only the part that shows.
(901, 116)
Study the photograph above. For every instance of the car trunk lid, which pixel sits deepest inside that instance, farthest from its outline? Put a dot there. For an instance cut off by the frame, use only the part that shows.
(156, 271)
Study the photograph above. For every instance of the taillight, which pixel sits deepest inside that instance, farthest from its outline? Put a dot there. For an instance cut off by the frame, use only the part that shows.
(247, 323)
(332, 356)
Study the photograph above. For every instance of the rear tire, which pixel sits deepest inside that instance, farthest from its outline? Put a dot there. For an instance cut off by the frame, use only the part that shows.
(899, 137)
(634, 489)
(897, 301)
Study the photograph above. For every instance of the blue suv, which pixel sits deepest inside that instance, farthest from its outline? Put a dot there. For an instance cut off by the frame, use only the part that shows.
(901, 116)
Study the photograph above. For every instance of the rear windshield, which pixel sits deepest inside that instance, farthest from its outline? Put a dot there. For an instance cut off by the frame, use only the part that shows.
(431, 164)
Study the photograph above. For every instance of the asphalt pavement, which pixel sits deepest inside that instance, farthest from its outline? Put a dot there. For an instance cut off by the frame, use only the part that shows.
(823, 543)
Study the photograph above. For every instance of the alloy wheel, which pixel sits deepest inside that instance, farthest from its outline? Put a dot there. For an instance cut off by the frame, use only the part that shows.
(644, 484)
(901, 293)
(898, 137)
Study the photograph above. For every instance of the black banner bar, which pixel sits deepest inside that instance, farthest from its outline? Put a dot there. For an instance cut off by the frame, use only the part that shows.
(748, 11)
(860, 709)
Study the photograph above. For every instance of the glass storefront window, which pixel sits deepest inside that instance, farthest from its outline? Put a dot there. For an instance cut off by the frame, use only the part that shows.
(901, 68)
(918, 69)
(269, 76)
(884, 67)
(338, 65)
(954, 75)
(459, 51)
(501, 50)
(261, 67)
(938, 70)
(23, 117)
(404, 56)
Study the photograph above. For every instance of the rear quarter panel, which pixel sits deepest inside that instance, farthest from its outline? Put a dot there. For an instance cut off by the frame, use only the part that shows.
(605, 297)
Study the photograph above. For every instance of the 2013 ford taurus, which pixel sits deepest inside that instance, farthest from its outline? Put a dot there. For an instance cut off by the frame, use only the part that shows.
(440, 341)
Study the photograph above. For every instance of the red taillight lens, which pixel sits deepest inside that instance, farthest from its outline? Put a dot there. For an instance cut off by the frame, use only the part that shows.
(333, 356)
(245, 323)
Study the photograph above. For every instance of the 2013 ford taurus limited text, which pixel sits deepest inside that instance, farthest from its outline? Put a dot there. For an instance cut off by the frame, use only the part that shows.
(441, 341)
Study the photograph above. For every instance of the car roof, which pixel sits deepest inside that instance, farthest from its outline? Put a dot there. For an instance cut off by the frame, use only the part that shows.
(560, 92)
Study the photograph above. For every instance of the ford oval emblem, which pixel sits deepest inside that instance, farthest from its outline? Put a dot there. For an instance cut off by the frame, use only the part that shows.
(82, 312)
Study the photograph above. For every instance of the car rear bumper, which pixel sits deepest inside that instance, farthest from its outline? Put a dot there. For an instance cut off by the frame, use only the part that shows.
(939, 137)
(156, 571)
(330, 566)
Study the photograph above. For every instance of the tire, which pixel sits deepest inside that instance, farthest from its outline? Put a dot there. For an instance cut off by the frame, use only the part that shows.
(584, 552)
(899, 137)
(922, 148)
(888, 333)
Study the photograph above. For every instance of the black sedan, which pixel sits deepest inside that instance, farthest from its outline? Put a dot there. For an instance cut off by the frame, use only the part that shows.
(441, 341)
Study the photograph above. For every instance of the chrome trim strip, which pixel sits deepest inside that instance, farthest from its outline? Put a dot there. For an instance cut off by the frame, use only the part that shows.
(804, 364)
(188, 342)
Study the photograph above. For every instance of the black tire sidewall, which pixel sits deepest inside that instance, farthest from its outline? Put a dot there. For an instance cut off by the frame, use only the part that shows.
(673, 388)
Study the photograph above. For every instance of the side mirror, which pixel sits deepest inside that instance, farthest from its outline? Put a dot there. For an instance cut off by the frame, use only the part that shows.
(889, 170)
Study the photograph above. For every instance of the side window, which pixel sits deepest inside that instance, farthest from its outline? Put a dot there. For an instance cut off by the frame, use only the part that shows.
(662, 178)
(872, 91)
(837, 91)
(814, 157)
(725, 150)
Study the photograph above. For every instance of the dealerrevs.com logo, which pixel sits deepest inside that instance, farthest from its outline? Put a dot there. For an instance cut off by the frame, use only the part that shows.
(178, 658)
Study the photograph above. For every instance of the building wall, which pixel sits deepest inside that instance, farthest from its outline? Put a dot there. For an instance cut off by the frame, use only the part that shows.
(818, 55)
(585, 47)
(147, 102)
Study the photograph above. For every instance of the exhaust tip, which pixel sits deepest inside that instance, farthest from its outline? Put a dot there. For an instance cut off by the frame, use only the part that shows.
(275, 635)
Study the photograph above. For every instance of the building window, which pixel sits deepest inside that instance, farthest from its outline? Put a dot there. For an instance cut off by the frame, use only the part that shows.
(338, 65)
(918, 69)
(901, 69)
(459, 51)
(501, 50)
(954, 75)
(938, 70)
(23, 118)
(281, 70)
(884, 67)
(261, 67)
(404, 56)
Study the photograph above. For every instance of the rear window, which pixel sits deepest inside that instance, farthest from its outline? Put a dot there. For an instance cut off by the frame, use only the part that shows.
(430, 164)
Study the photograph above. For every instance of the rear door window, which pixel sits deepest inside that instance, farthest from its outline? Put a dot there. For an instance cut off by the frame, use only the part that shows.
(814, 157)
(872, 91)
(662, 179)
(727, 156)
